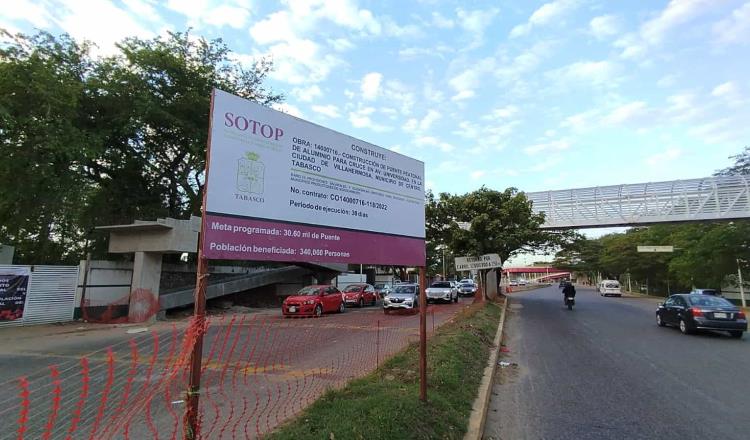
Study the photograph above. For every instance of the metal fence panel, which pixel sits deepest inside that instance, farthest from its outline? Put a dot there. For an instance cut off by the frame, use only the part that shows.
(50, 297)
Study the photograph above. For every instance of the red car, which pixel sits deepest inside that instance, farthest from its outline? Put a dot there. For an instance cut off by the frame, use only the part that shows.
(313, 301)
(359, 295)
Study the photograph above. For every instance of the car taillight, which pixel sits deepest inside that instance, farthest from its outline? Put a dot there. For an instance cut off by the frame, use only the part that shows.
(695, 311)
(740, 315)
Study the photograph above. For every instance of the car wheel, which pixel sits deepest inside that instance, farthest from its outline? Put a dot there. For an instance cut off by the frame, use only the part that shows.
(455, 300)
(736, 334)
(374, 300)
(684, 328)
(361, 303)
(659, 321)
(342, 307)
(318, 311)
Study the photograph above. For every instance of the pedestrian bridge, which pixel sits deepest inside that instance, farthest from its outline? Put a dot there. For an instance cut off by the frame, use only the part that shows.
(710, 198)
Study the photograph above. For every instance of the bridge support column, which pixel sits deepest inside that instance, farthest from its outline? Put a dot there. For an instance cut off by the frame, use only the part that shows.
(144, 290)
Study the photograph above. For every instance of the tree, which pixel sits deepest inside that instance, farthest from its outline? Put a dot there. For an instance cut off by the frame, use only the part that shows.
(741, 165)
(89, 141)
(43, 142)
(502, 222)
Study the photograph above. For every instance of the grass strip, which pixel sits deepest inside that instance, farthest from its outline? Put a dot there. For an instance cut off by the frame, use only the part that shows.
(385, 404)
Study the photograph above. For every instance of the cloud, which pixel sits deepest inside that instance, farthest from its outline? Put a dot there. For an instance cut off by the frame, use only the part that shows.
(288, 109)
(341, 44)
(431, 141)
(604, 26)
(734, 29)
(543, 16)
(598, 73)
(35, 13)
(558, 145)
(475, 22)
(289, 32)
(429, 119)
(469, 79)
(516, 70)
(370, 85)
(664, 157)
(478, 174)
(101, 22)
(307, 94)
(677, 12)
(360, 118)
(501, 112)
(729, 92)
(439, 21)
(655, 30)
(200, 13)
(301, 62)
(631, 112)
(329, 110)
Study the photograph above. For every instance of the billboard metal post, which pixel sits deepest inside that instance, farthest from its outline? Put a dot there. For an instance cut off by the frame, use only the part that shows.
(422, 335)
(191, 427)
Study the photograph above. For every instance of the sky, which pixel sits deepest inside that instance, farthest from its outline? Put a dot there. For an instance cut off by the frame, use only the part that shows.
(528, 94)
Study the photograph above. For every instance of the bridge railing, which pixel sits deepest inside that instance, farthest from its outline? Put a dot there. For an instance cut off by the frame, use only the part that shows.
(710, 198)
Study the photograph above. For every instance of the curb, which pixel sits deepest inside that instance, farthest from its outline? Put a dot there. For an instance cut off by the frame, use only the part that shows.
(478, 414)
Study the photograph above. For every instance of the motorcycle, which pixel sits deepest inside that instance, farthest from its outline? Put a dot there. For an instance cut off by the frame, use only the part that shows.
(569, 301)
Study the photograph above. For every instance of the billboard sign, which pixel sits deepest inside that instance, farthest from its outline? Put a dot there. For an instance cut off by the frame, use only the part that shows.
(284, 189)
(14, 282)
(487, 261)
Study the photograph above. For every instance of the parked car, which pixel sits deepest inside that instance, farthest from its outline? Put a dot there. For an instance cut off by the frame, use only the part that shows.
(359, 295)
(691, 312)
(442, 291)
(383, 289)
(713, 292)
(404, 297)
(313, 301)
(513, 283)
(467, 288)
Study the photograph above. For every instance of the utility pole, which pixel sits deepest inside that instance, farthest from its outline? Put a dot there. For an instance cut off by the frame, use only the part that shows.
(422, 334)
(445, 276)
(742, 288)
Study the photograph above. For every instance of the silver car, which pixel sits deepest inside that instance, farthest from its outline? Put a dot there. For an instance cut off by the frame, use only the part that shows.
(403, 296)
(442, 291)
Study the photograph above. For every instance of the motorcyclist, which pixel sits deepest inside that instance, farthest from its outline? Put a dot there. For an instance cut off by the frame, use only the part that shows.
(569, 291)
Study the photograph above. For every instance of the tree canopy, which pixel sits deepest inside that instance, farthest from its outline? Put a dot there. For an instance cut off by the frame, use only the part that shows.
(89, 141)
(501, 222)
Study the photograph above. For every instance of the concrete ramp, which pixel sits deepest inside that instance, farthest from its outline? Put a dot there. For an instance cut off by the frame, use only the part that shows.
(226, 286)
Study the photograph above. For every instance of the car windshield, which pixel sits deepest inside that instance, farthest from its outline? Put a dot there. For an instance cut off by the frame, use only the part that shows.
(612, 285)
(352, 288)
(380, 286)
(405, 289)
(467, 284)
(708, 301)
(441, 284)
(309, 291)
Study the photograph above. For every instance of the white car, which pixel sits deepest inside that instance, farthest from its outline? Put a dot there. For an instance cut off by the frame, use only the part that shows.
(442, 291)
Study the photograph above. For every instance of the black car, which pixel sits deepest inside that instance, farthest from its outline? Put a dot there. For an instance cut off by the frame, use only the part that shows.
(691, 312)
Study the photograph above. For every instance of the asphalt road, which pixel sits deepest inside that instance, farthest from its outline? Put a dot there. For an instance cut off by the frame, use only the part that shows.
(605, 371)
